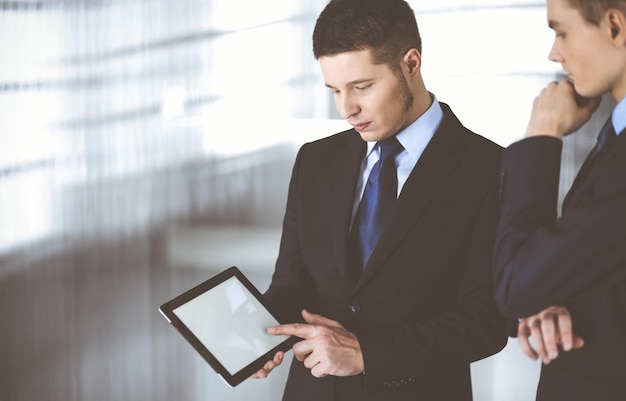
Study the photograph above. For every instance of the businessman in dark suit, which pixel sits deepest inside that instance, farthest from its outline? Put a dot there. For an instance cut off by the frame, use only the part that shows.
(565, 277)
(397, 291)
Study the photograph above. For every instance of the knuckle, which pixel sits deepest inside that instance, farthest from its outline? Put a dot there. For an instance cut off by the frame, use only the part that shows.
(324, 340)
(322, 330)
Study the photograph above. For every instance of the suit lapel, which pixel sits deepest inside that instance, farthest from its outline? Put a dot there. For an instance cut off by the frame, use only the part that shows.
(346, 167)
(440, 158)
(583, 172)
(590, 169)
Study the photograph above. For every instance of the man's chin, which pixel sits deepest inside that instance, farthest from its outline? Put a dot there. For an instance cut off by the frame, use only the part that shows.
(373, 136)
(368, 137)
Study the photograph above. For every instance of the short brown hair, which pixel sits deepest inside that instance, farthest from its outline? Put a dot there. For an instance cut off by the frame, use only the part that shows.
(593, 10)
(385, 27)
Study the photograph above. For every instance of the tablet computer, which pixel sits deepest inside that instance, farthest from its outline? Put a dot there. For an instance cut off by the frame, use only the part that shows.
(225, 319)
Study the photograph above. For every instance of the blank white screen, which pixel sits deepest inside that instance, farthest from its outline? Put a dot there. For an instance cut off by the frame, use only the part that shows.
(231, 324)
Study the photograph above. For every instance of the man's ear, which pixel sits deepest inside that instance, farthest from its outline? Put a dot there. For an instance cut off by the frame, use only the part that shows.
(616, 21)
(413, 60)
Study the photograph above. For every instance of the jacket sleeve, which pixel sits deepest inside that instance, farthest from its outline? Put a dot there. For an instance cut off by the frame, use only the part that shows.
(290, 289)
(541, 259)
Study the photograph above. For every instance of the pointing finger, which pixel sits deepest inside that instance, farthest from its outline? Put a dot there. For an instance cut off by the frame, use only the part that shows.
(293, 329)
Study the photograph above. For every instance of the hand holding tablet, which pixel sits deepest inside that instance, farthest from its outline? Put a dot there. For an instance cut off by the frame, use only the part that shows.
(226, 319)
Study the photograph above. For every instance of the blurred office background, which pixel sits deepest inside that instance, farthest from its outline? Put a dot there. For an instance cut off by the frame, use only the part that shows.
(147, 144)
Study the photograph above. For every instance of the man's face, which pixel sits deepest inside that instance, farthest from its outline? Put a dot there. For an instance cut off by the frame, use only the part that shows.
(371, 97)
(584, 50)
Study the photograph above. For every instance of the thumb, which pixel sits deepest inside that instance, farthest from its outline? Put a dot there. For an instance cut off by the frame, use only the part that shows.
(578, 342)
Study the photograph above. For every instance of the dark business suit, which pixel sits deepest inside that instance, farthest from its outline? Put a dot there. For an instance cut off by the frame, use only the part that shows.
(577, 261)
(423, 308)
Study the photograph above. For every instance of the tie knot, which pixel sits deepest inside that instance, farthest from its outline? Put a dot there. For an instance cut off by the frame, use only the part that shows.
(389, 147)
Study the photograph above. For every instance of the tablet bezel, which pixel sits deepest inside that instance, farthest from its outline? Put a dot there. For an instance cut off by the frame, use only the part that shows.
(167, 310)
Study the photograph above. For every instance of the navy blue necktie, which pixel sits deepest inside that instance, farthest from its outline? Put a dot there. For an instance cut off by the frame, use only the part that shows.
(376, 205)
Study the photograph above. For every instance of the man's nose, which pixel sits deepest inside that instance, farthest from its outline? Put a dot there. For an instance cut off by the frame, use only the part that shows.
(347, 105)
(555, 54)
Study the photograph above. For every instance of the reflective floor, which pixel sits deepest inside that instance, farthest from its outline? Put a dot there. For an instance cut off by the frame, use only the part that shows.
(84, 325)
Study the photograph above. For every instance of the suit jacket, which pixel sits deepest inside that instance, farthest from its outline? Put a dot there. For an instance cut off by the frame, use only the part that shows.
(577, 260)
(423, 308)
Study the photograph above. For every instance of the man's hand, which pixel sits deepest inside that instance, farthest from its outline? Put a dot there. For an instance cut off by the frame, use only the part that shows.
(549, 329)
(327, 347)
(269, 366)
(558, 111)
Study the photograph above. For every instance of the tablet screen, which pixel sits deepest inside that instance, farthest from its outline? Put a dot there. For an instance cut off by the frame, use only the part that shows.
(231, 323)
(226, 319)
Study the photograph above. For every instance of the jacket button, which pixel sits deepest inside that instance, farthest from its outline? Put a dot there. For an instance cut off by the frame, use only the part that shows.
(354, 307)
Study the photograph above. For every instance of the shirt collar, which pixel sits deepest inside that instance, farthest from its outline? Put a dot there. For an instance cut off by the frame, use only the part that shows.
(415, 137)
(618, 117)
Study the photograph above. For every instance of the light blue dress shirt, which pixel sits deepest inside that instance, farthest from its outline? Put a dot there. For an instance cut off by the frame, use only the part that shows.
(618, 117)
(413, 138)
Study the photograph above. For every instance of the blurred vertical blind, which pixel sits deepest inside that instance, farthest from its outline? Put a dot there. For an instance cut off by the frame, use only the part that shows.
(121, 118)
(96, 99)
(102, 103)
